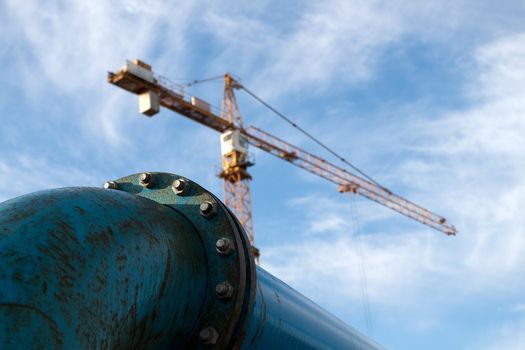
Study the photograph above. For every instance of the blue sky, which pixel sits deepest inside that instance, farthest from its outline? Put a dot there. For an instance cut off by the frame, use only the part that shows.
(426, 97)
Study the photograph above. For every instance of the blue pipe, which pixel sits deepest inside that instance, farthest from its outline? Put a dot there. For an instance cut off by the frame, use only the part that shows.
(146, 263)
(282, 318)
(85, 268)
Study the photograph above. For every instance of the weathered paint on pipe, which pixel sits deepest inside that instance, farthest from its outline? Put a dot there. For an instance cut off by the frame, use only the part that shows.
(282, 318)
(86, 268)
(137, 268)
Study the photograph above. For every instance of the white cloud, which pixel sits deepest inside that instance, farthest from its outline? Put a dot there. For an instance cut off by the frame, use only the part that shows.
(518, 308)
(466, 163)
(470, 164)
(338, 39)
(26, 173)
(66, 48)
(483, 150)
(511, 336)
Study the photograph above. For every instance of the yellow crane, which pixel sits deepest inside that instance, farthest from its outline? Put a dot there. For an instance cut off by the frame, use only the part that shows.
(154, 91)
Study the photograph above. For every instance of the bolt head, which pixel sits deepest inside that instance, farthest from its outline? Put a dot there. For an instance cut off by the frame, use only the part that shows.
(209, 336)
(208, 209)
(146, 179)
(180, 187)
(110, 185)
(224, 290)
(224, 246)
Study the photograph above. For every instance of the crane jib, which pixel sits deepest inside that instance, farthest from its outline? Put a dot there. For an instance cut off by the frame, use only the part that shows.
(141, 80)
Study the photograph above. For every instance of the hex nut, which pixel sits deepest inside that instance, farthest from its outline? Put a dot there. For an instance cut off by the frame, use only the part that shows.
(110, 185)
(224, 246)
(209, 336)
(146, 180)
(208, 209)
(224, 290)
(180, 187)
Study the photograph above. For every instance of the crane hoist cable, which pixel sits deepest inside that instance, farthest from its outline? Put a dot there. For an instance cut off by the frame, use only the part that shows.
(198, 81)
(310, 136)
(363, 280)
(355, 222)
(190, 83)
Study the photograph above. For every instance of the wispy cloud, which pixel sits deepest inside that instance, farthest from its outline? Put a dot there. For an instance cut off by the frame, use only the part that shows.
(470, 163)
(65, 48)
(518, 308)
(510, 336)
(465, 163)
(25, 173)
(336, 40)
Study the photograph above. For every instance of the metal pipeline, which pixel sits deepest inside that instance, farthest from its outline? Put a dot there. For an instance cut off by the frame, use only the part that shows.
(153, 261)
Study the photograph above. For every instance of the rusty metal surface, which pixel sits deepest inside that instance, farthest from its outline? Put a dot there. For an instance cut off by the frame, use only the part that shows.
(226, 315)
(284, 319)
(85, 268)
(143, 264)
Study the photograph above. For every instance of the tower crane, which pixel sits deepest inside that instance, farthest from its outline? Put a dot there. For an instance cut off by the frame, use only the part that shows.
(154, 91)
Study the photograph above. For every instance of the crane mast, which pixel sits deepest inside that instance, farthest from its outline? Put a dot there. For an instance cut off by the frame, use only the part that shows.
(155, 91)
(235, 162)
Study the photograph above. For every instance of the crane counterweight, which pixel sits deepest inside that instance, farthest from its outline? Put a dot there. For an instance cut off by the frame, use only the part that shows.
(149, 103)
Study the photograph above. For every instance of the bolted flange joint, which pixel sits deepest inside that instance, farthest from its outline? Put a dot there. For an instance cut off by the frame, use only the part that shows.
(180, 187)
(208, 209)
(227, 252)
(146, 180)
(209, 336)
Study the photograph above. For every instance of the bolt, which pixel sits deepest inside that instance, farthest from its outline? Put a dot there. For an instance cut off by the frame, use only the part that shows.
(208, 209)
(224, 290)
(146, 180)
(209, 336)
(110, 185)
(224, 246)
(180, 187)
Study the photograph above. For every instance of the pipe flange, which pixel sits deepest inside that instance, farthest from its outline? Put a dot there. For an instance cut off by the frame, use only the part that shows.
(231, 264)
